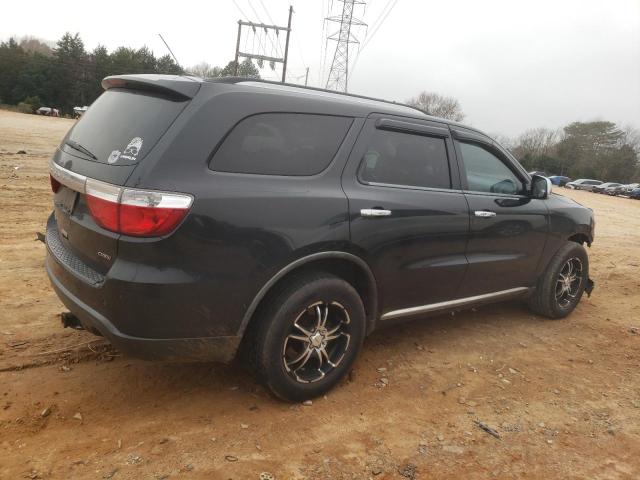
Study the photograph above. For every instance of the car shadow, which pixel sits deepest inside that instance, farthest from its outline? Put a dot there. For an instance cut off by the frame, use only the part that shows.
(182, 385)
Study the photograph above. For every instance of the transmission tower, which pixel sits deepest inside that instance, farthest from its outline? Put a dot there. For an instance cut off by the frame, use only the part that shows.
(344, 36)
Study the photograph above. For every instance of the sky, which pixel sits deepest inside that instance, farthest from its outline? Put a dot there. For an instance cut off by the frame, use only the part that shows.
(512, 64)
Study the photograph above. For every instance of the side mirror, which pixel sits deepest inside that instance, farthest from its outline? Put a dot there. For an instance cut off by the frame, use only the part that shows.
(540, 187)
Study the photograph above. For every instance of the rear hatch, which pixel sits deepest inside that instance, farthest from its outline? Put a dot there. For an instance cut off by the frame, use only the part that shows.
(102, 150)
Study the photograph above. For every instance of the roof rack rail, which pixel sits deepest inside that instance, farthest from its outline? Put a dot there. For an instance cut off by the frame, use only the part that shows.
(317, 89)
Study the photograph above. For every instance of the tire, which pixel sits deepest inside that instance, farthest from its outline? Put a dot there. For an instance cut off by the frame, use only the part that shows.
(545, 300)
(307, 315)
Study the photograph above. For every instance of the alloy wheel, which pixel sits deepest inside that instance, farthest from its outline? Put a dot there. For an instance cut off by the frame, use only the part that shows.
(569, 282)
(317, 341)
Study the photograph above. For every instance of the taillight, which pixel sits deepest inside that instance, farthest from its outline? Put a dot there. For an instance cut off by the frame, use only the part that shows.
(139, 213)
(55, 184)
(102, 200)
(148, 213)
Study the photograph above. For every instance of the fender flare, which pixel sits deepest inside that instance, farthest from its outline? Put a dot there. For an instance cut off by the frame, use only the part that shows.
(330, 255)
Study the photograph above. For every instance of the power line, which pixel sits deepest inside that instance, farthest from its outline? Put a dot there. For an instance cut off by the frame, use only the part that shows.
(379, 25)
(276, 45)
(374, 27)
(267, 12)
(240, 10)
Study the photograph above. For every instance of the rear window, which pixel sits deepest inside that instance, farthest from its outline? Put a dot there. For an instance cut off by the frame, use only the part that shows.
(122, 126)
(291, 144)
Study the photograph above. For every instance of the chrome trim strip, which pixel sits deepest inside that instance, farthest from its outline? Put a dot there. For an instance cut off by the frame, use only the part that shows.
(70, 179)
(403, 312)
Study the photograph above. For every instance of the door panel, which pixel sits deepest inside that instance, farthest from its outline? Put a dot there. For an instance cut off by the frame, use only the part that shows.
(417, 248)
(508, 228)
(503, 250)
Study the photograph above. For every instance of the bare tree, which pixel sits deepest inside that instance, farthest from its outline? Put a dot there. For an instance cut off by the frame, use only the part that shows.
(204, 70)
(35, 45)
(507, 142)
(632, 138)
(538, 141)
(438, 106)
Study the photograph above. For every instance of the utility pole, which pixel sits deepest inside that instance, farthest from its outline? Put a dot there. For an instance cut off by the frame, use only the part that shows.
(235, 68)
(339, 73)
(286, 46)
(262, 56)
(306, 77)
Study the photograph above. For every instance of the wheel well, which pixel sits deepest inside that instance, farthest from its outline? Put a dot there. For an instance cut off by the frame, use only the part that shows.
(359, 278)
(580, 238)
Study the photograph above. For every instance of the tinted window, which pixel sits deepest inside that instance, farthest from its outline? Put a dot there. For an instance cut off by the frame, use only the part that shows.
(281, 144)
(404, 159)
(122, 126)
(486, 172)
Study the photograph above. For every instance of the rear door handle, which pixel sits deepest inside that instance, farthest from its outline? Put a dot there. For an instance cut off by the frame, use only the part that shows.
(485, 213)
(374, 212)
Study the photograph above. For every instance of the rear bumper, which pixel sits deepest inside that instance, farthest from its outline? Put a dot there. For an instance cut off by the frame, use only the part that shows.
(69, 284)
(214, 349)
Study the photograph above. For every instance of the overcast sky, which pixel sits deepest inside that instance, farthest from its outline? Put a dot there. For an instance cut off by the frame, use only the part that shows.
(512, 64)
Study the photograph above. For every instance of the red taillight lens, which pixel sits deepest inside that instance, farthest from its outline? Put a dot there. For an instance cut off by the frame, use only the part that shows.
(104, 212)
(55, 184)
(146, 213)
(139, 213)
(149, 221)
(102, 200)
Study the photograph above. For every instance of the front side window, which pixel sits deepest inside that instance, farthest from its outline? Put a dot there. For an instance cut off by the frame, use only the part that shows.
(396, 158)
(281, 144)
(486, 172)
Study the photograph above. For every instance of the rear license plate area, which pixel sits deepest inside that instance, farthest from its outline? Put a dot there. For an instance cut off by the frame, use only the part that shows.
(66, 199)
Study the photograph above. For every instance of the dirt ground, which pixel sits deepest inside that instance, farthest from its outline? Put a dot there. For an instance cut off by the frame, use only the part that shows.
(563, 396)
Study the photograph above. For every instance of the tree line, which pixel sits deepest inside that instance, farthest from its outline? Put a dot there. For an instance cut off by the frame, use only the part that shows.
(600, 149)
(33, 74)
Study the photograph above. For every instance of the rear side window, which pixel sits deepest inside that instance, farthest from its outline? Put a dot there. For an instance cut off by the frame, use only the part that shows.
(396, 158)
(281, 144)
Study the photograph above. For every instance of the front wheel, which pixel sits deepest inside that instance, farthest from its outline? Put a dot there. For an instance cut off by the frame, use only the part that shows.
(308, 336)
(561, 286)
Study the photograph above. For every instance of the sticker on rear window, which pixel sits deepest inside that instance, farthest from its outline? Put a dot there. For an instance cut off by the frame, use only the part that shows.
(132, 150)
(114, 156)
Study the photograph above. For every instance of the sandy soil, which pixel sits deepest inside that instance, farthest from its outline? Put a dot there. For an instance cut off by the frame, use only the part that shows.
(563, 396)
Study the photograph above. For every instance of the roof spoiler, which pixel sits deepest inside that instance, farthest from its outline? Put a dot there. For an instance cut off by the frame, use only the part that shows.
(179, 87)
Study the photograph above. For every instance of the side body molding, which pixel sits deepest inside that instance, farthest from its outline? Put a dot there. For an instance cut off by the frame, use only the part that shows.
(371, 307)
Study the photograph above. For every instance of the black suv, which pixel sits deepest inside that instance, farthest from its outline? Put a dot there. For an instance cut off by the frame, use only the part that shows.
(196, 219)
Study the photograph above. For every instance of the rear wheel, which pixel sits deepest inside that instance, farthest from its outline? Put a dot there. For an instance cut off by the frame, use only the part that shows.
(561, 286)
(307, 337)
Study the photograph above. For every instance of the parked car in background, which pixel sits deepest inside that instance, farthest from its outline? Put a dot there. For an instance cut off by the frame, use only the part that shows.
(603, 186)
(48, 111)
(559, 180)
(287, 223)
(625, 189)
(611, 190)
(79, 111)
(583, 184)
(635, 193)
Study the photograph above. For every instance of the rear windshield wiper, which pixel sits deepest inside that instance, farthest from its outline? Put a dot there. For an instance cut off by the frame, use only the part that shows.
(80, 148)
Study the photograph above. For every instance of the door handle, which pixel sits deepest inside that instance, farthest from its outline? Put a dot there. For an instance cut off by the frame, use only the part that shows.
(374, 212)
(485, 213)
